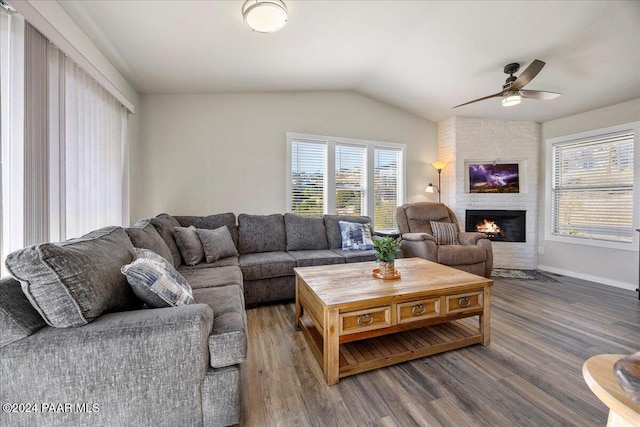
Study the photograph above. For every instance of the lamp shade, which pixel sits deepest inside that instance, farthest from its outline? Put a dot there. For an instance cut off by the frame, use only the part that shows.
(439, 165)
(265, 16)
(429, 188)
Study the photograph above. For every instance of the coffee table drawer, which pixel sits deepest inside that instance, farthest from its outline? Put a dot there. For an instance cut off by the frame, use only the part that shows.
(365, 320)
(460, 303)
(418, 310)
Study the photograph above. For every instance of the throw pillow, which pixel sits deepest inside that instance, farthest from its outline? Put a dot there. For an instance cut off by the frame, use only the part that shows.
(217, 243)
(144, 235)
(189, 244)
(155, 281)
(71, 283)
(355, 236)
(445, 233)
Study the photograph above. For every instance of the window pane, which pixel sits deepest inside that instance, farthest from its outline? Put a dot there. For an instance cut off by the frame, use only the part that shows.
(308, 165)
(350, 180)
(387, 183)
(592, 194)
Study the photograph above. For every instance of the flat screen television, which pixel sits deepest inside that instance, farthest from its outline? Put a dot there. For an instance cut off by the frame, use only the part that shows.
(494, 178)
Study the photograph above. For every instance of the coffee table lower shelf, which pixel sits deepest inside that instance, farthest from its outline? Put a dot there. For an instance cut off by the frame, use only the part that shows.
(372, 353)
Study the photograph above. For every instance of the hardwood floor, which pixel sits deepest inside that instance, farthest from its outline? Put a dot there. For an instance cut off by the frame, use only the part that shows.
(530, 375)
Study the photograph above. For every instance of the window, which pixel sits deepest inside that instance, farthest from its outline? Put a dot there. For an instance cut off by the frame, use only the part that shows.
(386, 186)
(345, 176)
(592, 180)
(308, 164)
(63, 143)
(350, 179)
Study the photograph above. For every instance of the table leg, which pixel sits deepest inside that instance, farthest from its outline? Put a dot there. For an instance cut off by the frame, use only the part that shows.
(331, 347)
(298, 306)
(485, 318)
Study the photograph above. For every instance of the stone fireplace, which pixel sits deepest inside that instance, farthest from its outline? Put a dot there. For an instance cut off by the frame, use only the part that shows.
(463, 141)
(498, 225)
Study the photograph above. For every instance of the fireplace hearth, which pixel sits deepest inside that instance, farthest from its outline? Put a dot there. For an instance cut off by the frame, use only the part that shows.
(498, 225)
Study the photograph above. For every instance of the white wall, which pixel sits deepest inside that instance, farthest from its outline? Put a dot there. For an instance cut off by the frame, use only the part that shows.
(609, 266)
(205, 154)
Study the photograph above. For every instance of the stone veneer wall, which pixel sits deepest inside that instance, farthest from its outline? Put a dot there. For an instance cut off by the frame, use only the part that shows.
(465, 139)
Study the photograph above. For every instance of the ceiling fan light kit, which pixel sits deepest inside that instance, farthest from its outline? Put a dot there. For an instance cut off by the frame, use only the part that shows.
(512, 92)
(510, 99)
(265, 16)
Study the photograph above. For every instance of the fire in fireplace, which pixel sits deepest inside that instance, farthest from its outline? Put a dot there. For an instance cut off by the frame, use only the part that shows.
(498, 225)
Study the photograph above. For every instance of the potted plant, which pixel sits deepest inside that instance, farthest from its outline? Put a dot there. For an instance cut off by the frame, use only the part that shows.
(386, 249)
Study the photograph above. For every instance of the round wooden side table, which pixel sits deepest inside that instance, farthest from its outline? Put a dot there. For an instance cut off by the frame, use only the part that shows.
(599, 375)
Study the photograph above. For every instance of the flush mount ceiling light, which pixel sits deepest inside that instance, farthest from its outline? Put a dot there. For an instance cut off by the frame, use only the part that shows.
(265, 16)
(511, 98)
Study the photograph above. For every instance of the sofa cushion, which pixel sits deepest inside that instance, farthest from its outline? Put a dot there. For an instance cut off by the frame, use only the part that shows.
(73, 282)
(189, 244)
(217, 243)
(156, 282)
(261, 233)
(461, 254)
(317, 257)
(212, 277)
(445, 233)
(145, 236)
(265, 265)
(305, 232)
(228, 339)
(211, 222)
(355, 236)
(224, 262)
(165, 224)
(18, 318)
(332, 224)
(356, 256)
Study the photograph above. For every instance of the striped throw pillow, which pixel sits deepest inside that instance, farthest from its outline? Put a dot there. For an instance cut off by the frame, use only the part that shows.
(155, 281)
(445, 233)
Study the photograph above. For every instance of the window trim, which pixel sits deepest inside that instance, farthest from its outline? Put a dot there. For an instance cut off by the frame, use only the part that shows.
(331, 142)
(548, 235)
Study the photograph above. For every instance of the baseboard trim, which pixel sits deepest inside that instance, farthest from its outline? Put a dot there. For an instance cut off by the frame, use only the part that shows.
(596, 279)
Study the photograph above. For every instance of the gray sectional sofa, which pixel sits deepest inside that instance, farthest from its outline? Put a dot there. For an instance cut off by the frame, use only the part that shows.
(76, 343)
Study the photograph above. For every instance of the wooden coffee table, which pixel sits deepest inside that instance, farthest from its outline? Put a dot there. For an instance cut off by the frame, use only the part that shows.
(355, 322)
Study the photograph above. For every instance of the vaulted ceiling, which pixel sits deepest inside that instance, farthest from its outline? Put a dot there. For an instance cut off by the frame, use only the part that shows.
(421, 56)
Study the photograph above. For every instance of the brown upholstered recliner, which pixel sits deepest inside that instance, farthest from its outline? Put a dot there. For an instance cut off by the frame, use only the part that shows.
(473, 254)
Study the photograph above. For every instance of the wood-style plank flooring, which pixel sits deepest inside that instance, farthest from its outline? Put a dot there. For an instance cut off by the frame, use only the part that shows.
(530, 375)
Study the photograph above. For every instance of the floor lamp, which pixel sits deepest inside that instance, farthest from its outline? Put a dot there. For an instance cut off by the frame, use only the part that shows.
(439, 166)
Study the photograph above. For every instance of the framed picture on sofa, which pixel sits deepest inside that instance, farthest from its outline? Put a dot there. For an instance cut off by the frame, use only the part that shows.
(494, 177)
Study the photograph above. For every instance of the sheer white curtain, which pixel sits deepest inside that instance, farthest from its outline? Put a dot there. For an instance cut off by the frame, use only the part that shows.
(12, 131)
(95, 155)
(63, 157)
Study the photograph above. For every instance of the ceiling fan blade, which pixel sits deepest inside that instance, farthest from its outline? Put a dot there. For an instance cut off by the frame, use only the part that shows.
(527, 75)
(539, 94)
(479, 99)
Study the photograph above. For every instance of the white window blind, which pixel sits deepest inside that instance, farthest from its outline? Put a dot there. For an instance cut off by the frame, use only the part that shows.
(350, 180)
(592, 188)
(386, 188)
(308, 172)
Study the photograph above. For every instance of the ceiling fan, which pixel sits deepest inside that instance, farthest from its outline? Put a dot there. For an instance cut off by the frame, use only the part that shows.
(512, 92)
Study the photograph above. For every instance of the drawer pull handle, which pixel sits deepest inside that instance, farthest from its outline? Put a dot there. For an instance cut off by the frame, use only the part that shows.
(418, 310)
(365, 319)
(464, 302)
